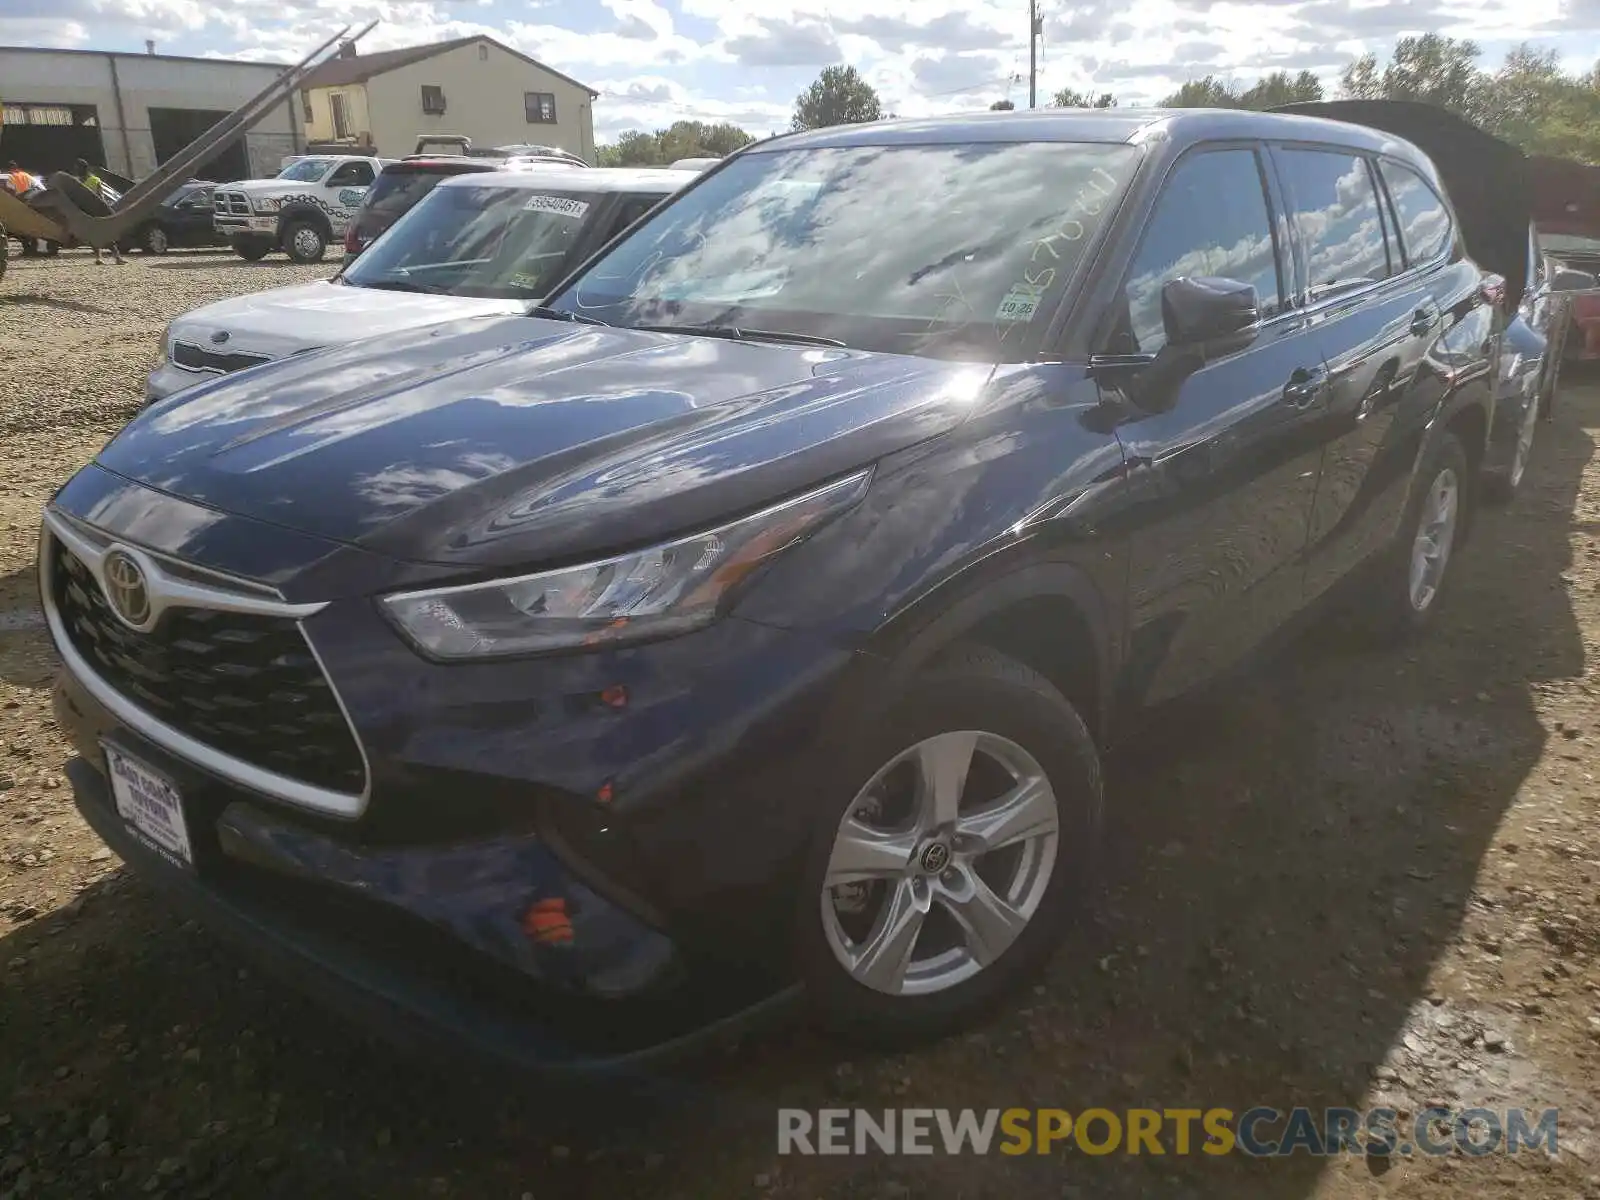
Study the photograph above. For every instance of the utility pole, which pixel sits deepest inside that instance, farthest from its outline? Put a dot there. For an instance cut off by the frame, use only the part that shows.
(1033, 55)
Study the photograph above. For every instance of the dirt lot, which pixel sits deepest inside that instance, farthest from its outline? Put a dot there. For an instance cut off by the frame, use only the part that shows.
(1358, 879)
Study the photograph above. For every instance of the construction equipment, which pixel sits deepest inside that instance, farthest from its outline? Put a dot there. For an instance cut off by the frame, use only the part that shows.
(69, 214)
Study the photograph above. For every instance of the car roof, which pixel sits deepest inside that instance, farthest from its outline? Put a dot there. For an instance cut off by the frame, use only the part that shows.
(442, 162)
(582, 179)
(1110, 125)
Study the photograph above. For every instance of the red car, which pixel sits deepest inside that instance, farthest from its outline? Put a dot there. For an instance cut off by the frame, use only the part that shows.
(1566, 211)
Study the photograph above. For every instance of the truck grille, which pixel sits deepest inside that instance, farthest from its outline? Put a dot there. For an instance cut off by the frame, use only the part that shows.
(245, 684)
(231, 204)
(197, 358)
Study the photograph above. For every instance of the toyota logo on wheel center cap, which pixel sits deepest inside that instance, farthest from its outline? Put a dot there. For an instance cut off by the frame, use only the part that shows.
(126, 589)
(935, 858)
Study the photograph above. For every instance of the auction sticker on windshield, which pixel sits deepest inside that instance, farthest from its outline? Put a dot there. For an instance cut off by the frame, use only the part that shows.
(563, 205)
(150, 805)
(1020, 303)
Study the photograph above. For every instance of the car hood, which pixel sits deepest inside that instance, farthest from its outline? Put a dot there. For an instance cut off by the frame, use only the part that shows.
(511, 440)
(287, 320)
(1487, 178)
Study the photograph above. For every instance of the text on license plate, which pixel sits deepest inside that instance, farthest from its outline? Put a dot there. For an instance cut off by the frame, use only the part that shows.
(151, 806)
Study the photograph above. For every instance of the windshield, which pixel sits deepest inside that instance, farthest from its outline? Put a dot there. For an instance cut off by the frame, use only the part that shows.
(949, 251)
(490, 241)
(306, 170)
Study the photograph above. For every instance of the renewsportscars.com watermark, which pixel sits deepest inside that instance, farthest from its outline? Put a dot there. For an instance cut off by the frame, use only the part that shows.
(1260, 1132)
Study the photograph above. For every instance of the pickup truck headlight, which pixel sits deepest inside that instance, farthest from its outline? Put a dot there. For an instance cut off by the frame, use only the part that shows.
(266, 204)
(659, 592)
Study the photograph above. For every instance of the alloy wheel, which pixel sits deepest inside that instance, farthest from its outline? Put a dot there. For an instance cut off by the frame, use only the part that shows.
(939, 863)
(155, 241)
(1435, 538)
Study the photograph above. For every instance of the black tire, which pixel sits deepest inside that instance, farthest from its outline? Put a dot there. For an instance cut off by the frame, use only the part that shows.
(251, 249)
(153, 239)
(1388, 606)
(1500, 486)
(304, 242)
(970, 688)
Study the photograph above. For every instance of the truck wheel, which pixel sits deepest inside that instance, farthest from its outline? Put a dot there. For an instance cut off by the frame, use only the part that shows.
(304, 242)
(155, 240)
(251, 249)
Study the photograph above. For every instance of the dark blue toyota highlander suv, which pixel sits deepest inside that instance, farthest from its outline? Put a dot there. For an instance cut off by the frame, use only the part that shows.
(745, 625)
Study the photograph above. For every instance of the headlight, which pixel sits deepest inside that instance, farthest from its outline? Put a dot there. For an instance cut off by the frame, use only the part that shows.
(266, 204)
(659, 592)
(167, 339)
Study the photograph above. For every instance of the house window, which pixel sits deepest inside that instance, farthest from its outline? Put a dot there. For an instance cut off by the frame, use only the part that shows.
(305, 106)
(341, 119)
(432, 99)
(483, 52)
(539, 107)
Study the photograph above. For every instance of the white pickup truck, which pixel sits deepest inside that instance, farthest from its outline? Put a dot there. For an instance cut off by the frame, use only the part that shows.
(307, 205)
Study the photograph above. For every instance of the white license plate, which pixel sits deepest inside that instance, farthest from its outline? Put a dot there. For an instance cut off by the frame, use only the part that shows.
(151, 806)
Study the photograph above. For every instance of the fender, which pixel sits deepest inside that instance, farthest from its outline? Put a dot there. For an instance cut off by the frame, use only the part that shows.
(911, 639)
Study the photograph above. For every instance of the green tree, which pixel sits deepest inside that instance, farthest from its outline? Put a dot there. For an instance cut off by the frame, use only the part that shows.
(681, 139)
(1430, 68)
(1209, 92)
(1068, 98)
(1280, 88)
(839, 96)
(1533, 103)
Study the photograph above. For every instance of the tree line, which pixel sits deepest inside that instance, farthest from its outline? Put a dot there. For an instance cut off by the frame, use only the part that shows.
(1529, 100)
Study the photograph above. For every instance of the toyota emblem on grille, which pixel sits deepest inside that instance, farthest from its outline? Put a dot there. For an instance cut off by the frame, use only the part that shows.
(126, 589)
(219, 337)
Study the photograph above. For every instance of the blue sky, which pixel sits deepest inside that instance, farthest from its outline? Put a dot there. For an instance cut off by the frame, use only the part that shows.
(656, 61)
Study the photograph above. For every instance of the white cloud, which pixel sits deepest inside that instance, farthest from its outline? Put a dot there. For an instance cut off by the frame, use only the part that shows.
(664, 60)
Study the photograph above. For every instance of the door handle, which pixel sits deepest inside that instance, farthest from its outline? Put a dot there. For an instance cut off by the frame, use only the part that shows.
(1304, 386)
(1421, 322)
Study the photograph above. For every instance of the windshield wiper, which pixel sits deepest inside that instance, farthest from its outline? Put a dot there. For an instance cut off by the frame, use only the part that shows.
(399, 285)
(561, 314)
(738, 333)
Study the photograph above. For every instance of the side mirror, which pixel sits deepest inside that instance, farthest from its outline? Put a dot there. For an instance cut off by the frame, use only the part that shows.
(1568, 279)
(1210, 313)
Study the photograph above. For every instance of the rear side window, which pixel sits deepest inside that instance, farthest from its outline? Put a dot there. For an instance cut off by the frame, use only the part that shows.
(396, 191)
(631, 210)
(1424, 219)
(1210, 219)
(1334, 206)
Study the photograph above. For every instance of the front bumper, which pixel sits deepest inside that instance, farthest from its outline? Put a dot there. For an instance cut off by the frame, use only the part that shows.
(168, 379)
(343, 939)
(232, 227)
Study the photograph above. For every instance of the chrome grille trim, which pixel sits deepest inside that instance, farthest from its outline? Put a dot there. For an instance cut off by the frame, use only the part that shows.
(248, 775)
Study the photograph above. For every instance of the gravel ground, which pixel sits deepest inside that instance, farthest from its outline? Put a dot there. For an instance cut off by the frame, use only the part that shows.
(1353, 879)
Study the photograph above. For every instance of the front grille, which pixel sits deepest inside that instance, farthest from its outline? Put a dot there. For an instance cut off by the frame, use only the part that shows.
(196, 358)
(232, 202)
(242, 683)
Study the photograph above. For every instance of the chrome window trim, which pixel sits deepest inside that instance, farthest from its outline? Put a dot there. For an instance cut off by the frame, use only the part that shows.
(177, 594)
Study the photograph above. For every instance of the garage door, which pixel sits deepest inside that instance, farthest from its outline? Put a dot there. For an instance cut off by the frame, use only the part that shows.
(50, 137)
(171, 129)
